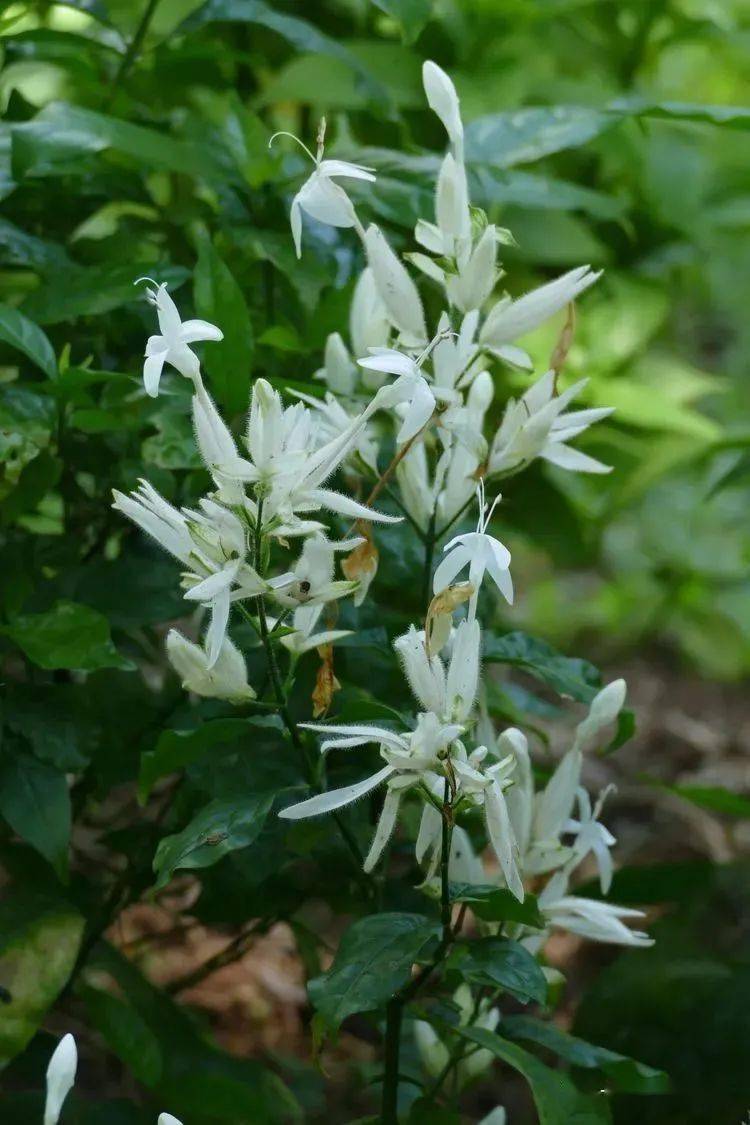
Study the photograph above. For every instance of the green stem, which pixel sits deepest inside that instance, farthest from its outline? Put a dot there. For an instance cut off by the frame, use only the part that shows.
(429, 554)
(308, 762)
(389, 1106)
(134, 48)
(395, 1008)
(445, 851)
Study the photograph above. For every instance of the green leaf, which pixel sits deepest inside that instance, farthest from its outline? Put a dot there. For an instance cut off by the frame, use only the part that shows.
(222, 827)
(557, 1100)
(54, 719)
(569, 676)
(95, 290)
(726, 116)
(540, 193)
(627, 1075)
(53, 143)
(39, 941)
(19, 248)
(67, 636)
(374, 960)
(22, 334)
(35, 802)
(524, 135)
(715, 798)
(219, 299)
(497, 904)
(177, 749)
(411, 15)
(301, 34)
(500, 962)
(127, 1033)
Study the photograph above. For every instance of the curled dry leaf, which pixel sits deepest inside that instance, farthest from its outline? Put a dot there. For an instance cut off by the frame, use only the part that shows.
(361, 565)
(439, 618)
(564, 341)
(325, 682)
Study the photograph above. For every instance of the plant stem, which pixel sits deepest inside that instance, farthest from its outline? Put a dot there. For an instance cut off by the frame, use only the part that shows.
(445, 851)
(309, 764)
(429, 554)
(395, 1008)
(135, 45)
(389, 1106)
(446, 527)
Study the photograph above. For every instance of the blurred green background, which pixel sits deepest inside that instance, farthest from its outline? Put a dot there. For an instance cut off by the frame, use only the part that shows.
(135, 141)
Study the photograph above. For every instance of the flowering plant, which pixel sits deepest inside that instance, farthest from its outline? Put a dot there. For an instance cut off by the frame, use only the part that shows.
(396, 449)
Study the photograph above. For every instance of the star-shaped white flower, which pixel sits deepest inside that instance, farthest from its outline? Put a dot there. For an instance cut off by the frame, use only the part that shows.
(591, 836)
(536, 426)
(410, 387)
(482, 553)
(319, 196)
(173, 345)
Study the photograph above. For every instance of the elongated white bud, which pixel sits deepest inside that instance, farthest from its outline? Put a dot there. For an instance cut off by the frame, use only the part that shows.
(61, 1074)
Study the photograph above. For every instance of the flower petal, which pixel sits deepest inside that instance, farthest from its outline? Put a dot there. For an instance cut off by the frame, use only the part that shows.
(194, 330)
(335, 798)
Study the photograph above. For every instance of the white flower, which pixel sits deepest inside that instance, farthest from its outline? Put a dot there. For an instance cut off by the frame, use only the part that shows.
(312, 580)
(319, 196)
(449, 693)
(397, 290)
(225, 679)
(167, 1119)
(212, 545)
(410, 387)
(219, 572)
(598, 921)
(482, 553)
(369, 326)
(468, 449)
(451, 208)
(553, 807)
(453, 353)
(603, 710)
(470, 287)
(510, 319)
(443, 100)
(333, 421)
(157, 517)
(215, 443)
(287, 464)
(484, 785)
(61, 1074)
(496, 1116)
(338, 371)
(536, 426)
(591, 836)
(172, 346)
(411, 758)
(435, 1054)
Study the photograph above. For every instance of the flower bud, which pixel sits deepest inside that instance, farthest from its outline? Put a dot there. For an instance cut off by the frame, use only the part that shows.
(397, 290)
(604, 709)
(443, 100)
(226, 679)
(61, 1074)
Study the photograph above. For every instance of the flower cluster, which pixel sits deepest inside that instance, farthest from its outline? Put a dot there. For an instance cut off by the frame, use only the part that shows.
(430, 389)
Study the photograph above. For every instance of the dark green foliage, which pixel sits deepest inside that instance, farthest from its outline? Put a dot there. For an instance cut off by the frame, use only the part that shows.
(128, 152)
